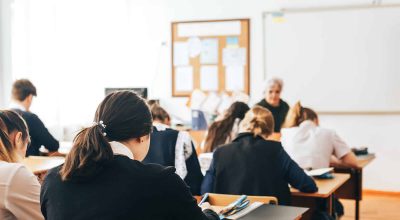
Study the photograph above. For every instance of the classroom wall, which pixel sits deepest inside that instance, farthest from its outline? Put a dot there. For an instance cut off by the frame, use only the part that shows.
(127, 44)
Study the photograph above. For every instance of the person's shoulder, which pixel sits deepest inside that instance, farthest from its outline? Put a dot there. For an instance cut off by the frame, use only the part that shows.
(149, 170)
(10, 169)
(284, 104)
(20, 174)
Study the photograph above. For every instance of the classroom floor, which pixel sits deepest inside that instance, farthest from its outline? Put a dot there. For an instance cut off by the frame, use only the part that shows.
(373, 207)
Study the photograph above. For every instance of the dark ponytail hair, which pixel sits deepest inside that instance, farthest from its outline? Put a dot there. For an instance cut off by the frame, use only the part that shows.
(220, 130)
(10, 122)
(119, 117)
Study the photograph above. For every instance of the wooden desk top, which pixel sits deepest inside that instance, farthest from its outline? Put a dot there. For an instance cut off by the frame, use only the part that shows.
(325, 186)
(40, 164)
(364, 160)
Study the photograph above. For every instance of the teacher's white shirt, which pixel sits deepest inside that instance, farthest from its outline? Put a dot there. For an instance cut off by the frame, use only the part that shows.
(19, 193)
(312, 146)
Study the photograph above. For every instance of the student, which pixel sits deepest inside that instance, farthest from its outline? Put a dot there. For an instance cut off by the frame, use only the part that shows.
(274, 103)
(254, 165)
(310, 145)
(103, 176)
(169, 147)
(22, 95)
(19, 188)
(225, 130)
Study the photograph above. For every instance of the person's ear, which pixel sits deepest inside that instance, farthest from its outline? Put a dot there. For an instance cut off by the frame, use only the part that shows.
(18, 140)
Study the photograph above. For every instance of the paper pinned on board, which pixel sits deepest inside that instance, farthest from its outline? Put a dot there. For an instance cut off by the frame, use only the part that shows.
(234, 78)
(184, 78)
(209, 78)
(234, 56)
(232, 42)
(181, 54)
(209, 51)
(278, 17)
(194, 44)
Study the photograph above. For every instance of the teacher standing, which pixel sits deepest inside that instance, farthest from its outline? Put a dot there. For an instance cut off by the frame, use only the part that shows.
(273, 102)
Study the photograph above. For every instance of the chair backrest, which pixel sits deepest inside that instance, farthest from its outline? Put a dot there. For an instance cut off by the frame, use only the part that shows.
(224, 199)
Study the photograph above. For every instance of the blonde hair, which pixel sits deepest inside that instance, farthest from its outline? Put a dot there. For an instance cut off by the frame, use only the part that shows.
(298, 114)
(259, 121)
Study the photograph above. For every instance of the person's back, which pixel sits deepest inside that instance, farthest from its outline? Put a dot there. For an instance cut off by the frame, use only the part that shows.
(163, 150)
(254, 165)
(121, 189)
(22, 95)
(253, 168)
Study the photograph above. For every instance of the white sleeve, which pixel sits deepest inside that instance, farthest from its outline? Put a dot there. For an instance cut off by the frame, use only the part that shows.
(23, 197)
(340, 148)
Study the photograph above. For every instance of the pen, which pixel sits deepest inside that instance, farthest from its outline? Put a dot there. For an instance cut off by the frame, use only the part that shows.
(205, 197)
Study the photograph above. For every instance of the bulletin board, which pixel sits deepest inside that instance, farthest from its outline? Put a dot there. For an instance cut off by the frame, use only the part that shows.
(213, 56)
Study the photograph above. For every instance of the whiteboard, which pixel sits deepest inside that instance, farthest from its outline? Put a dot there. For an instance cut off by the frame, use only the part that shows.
(339, 60)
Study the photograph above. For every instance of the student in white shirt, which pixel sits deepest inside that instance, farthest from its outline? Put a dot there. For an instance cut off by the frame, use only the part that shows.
(19, 188)
(312, 146)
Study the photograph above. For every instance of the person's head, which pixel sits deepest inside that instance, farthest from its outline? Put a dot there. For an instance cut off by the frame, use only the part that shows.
(14, 136)
(272, 92)
(160, 115)
(298, 114)
(220, 130)
(258, 121)
(23, 91)
(123, 117)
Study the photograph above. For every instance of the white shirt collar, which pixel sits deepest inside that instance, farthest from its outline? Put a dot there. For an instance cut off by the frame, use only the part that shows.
(15, 105)
(120, 149)
(160, 126)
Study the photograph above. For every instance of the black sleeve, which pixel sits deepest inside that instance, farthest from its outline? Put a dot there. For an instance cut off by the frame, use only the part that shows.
(194, 176)
(40, 133)
(295, 175)
(182, 205)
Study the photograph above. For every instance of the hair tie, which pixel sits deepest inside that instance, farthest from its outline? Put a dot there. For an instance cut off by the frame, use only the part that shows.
(102, 127)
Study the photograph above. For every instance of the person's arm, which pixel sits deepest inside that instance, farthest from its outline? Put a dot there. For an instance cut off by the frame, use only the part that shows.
(40, 133)
(23, 195)
(182, 204)
(208, 181)
(296, 176)
(194, 176)
(343, 152)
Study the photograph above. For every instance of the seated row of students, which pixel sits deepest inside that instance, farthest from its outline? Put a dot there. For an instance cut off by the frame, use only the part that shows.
(102, 177)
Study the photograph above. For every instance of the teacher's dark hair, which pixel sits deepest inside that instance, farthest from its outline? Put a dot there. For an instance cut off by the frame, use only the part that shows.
(119, 117)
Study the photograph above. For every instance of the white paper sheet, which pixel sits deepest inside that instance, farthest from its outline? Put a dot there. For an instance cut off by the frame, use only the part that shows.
(318, 172)
(181, 54)
(234, 56)
(211, 103)
(184, 78)
(202, 29)
(234, 78)
(209, 51)
(194, 44)
(209, 78)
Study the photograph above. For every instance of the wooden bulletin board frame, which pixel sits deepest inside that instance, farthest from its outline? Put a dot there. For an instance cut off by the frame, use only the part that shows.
(243, 42)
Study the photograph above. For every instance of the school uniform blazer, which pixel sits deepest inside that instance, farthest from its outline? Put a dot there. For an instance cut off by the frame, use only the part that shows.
(255, 166)
(162, 151)
(39, 134)
(122, 188)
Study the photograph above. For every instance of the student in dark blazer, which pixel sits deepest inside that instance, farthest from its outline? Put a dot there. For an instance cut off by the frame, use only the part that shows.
(169, 147)
(103, 176)
(254, 165)
(22, 95)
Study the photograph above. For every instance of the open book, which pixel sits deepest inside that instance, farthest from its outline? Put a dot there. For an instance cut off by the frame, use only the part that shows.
(318, 172)
(241, 213)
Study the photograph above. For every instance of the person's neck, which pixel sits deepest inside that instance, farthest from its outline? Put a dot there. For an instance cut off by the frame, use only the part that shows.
(23, 104)
(272, 104)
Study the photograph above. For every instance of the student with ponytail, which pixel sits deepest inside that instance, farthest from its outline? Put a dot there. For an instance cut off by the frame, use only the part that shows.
(310, 145)
(19, 188)
(256, 165)
(103, 177)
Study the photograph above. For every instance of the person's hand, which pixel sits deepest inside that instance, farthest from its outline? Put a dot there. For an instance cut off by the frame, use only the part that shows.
(205, 206)
(55, 154)
(41, 175)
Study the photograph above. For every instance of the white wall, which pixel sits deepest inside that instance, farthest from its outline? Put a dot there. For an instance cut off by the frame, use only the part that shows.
(92, 44)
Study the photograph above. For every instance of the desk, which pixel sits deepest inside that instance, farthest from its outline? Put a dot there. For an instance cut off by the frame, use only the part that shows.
(326, 189)
(275, 212)
(352, 189)
(40, 164)
(65, 148)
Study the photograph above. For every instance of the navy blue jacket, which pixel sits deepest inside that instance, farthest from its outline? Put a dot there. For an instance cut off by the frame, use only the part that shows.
(255, 166)
(162, 151)
(39, 134)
